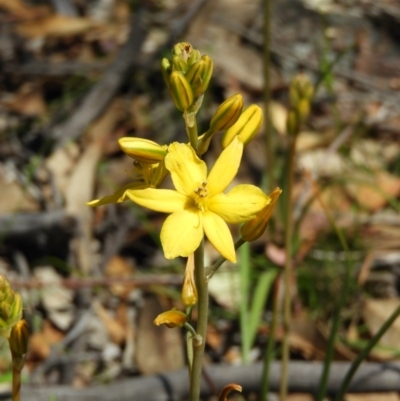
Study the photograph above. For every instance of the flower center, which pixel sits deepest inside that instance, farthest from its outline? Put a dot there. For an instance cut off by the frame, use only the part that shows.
(201, 194)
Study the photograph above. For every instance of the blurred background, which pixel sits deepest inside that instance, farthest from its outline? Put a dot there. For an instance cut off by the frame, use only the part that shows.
(75, 76)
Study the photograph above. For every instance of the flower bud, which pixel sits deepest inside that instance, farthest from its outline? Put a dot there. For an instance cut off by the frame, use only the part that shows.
(142, 150)
(246, 127)
(303, 108)
(166, 70)
(178, 64)
(183, 50)
(194, 56)
(227, 113)
(253, 229)
(19, 337)
(194, 76)
(181, 91)
(10, 307)
(208, 70)
(189, 290)
(171, 318)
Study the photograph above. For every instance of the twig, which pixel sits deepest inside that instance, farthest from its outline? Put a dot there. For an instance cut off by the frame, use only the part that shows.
(173, 386)
(76, 283)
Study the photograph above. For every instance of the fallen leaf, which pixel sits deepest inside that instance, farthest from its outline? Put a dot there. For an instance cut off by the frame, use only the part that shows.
(56, 299)
(115, 329)
(158, 348)
(27, 101)
(40, 343)
(118, 267)
(56, 25)
(21, 10)
(372, 190)
(375, 312)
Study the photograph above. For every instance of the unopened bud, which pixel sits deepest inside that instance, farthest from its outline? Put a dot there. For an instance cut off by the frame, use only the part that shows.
(178, 64)
(19, 338)
(171, 318)
(181, 91)
(194, 56)
(166, 70)
(194, 76)
(142, 150)
(10, 307)
(227, 113)
(253, 229)
(303, 108)
(207, 74)
(246, 127)
(189, 290)
(183, 50)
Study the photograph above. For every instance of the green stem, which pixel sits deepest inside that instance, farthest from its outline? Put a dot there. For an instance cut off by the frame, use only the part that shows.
(191, 130)
(189, 341)
(287, 271)
(198, 349)
(270, 345)
(364, 353)
(269, 137)
(16, 384)
(244, 307)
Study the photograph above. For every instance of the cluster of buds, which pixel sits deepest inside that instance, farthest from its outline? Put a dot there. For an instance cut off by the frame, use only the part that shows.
(10, 307)
(301, 92)
(187, 76)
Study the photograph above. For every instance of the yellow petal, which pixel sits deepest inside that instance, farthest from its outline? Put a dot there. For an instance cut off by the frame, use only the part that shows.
(187, 170)
(118, 196)
(181, 234)
(240, 204)
(225, 168)
(160, 200)
(219, 235)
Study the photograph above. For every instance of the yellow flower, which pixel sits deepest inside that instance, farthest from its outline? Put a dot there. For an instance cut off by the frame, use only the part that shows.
(171, 318)
(198, 206)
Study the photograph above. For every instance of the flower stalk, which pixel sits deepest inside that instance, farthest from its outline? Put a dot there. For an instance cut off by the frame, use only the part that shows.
(202, 311)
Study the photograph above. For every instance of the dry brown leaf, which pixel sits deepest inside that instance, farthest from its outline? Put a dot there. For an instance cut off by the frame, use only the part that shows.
(20, 9)
(310, 340)
(115, 329)
(56, 299)
(158, 348)
(375, 312)
(81, 185)
(393, 396)
(56, 25)
(373, 189)
(61, 164)
(40, 343)
(118, 267)
(13, 197)
(28, 101)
